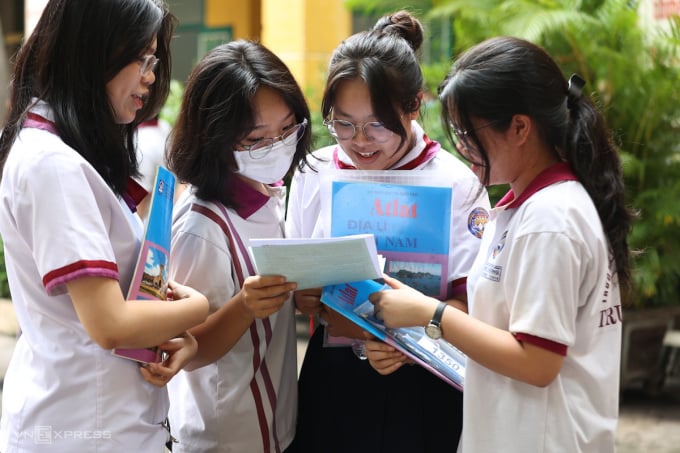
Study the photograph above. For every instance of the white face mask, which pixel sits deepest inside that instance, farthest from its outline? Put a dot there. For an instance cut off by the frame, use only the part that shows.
(268, 169)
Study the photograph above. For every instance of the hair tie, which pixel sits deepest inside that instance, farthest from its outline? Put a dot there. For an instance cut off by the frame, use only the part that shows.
(574, 90)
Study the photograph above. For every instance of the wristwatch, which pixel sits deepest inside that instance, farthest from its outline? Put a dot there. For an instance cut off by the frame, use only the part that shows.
(433, 328)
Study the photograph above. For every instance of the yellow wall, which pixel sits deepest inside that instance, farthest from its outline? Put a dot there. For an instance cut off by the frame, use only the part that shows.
(242, 16)
(303, 33)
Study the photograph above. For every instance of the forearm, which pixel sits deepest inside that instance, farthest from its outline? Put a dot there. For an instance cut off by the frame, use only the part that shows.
(499, 350)
(459, 302)
(220, 332)
(149, 323)
(113, 322)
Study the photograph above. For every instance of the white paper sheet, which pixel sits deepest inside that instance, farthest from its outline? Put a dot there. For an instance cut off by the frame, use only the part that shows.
(313, 263)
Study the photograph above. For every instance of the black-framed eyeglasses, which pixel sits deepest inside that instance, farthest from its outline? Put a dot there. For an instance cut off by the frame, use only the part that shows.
(261, 147)
(463, 136)
(374, 131)
(148, 63)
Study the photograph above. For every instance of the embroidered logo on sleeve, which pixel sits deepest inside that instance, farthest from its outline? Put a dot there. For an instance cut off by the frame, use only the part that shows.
(501, 244)
(476, 221)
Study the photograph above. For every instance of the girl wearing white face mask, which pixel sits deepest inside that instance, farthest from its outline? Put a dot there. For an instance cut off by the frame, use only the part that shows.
(268, 160)
(242, 127)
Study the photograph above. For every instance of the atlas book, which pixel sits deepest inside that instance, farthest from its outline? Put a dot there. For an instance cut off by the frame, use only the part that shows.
(409, 213)
(150, 278)
(440, 357)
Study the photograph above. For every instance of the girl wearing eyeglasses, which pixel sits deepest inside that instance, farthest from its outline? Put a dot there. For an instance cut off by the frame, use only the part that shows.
(543, 337)
(87, 76)
(371, 102)
(243, 125)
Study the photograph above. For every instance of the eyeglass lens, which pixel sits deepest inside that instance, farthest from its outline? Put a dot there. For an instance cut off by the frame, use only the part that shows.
(373, 131)
(463, 136)
(291, 136)
(149, 63)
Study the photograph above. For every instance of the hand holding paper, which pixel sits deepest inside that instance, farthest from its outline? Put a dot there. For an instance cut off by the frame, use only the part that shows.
(264, 295)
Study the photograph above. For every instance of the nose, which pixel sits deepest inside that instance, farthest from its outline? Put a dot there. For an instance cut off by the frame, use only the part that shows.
(360, 135)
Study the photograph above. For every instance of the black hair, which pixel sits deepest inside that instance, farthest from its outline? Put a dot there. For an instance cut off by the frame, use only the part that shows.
(505, 76)
(217, 113)
(77, 47)
(385, 58)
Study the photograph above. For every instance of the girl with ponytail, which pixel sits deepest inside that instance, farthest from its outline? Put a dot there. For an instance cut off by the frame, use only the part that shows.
(543, 332)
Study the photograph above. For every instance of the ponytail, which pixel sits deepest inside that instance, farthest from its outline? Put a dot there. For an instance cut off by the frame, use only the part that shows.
(592, 155)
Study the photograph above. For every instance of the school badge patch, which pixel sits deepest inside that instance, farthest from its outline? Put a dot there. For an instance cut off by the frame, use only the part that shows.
(476, 221)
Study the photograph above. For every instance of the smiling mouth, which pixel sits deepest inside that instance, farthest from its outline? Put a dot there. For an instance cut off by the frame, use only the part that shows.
(371, 154)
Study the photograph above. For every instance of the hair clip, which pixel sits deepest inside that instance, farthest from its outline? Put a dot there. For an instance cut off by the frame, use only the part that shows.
(574, 89)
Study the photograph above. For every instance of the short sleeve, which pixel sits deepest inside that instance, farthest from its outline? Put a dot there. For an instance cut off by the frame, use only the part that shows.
(543, 285)
(63, 211)
(200, 258)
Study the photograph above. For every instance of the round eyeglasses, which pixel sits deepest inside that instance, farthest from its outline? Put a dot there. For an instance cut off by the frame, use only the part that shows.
(291, 136)
(148, 63)
(463, 136)
(374, 131)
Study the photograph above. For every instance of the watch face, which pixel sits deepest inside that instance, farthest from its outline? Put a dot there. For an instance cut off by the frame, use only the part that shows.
(433, 331)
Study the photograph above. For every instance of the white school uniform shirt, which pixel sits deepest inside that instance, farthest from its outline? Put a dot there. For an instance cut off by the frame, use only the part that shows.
(59, 222)
(545, 273)
(469, 206)
(247, 400)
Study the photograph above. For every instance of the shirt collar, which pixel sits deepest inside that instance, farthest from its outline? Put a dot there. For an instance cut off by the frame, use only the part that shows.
(555, 173)
(249, 199)
(134, 194)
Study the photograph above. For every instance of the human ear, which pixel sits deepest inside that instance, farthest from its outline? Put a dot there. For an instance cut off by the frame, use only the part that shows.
(521, 127)
(414, 107)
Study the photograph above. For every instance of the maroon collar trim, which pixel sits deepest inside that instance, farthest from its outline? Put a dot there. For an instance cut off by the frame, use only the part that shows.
(38, 122)
(431, 149)
(134, 194)
(551, 175)
(149, 123)
(249, 199)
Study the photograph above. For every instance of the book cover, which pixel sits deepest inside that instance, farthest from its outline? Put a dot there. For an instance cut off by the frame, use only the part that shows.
(438, 356)
(411, 225)
(149, 281)
(408, 212)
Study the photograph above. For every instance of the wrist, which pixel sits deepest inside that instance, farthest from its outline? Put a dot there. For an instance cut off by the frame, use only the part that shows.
(245, 312)
(433, 328)
(428, 311)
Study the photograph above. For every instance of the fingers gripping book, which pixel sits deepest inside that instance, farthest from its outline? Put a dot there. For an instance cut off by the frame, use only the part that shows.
(438, 356)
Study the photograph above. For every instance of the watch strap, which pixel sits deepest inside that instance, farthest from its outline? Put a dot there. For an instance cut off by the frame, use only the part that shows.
(437, 317)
